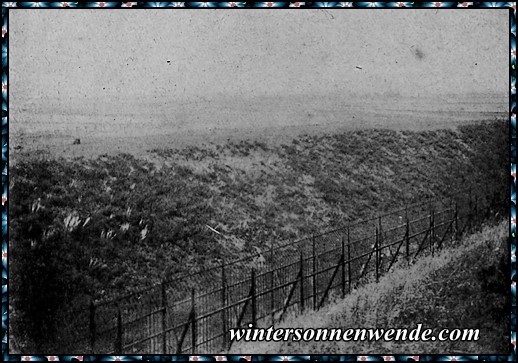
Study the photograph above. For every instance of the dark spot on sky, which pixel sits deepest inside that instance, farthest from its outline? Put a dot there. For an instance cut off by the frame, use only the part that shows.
(476, 64)
(168, 61)
(418, 53)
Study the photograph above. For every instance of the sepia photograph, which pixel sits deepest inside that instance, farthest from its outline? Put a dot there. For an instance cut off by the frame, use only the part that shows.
(258, 182)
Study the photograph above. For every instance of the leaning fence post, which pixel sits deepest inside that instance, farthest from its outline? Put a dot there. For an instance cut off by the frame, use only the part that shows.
(343, 266)
(193, 321)
(314, 275)
(164, 321)
(380, 232)
(92, 326)
(272, 282)
(451, 217)
(349, 278)
(223, 304)
(254, 299)
(118, 340)
(301, 282)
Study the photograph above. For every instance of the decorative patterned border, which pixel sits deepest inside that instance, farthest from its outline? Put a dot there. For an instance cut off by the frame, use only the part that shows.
(512, 105)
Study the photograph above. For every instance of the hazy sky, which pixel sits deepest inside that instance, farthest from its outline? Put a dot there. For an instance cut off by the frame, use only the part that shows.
(80, 55)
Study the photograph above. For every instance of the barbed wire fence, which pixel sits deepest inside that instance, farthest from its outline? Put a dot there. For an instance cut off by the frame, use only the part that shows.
(193, 313)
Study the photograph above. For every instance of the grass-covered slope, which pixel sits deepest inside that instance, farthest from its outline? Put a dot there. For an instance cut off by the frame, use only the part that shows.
(463, 287)
(96, 228)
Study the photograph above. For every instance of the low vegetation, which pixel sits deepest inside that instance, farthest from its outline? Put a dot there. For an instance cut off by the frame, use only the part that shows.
(463, 287)
(91, 229)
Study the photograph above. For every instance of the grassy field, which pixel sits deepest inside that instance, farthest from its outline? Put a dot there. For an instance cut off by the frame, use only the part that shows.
(95, 228)
(132, 127)
(463, 287)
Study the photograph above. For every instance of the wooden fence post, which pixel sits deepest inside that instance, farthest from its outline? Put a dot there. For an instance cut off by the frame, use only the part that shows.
(301, 282)
(193, 321)
(349, 277)
(314, 275)
(118, 340)
(325, 293)
(272, 282)
(380, 232)
(224, 304)
(381, 240)
(343, 267)
(92, 326)
(254, 299)
(164, 318)
(451, 217)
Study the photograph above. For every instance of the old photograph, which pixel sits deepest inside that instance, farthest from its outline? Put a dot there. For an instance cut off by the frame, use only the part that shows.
(258, 181)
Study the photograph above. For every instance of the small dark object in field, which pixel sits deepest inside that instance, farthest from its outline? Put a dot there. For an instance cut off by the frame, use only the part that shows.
(18, 147)
(76, 142)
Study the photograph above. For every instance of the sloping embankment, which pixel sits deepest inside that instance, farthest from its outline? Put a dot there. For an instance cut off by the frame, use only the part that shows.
(115, 222)
(464, 287)
(108, 226)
